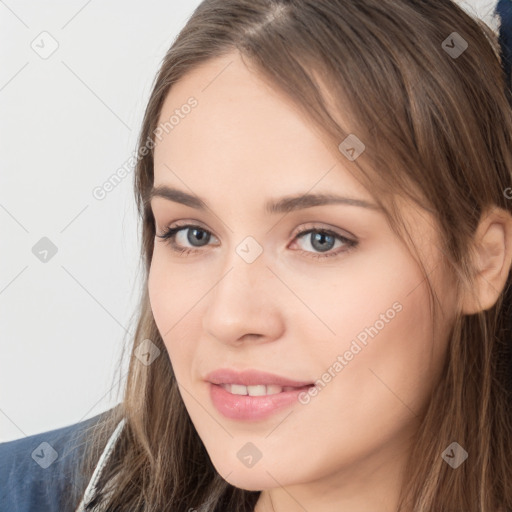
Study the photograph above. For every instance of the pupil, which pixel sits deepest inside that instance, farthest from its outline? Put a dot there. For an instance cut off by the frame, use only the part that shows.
(202, 236)
(321, 237)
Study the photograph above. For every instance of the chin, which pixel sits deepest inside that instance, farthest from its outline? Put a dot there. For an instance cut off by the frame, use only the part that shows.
(248, 479)
(252, 484)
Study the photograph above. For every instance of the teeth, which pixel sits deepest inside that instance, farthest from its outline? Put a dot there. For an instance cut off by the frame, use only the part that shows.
(238, 389)
(257, 390)
(273, 389)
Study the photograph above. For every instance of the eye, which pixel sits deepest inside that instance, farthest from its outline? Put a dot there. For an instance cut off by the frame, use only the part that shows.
(195, 234)
(322, 240)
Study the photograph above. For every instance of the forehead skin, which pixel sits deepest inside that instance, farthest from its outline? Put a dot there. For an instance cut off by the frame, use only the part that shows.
(253, 145)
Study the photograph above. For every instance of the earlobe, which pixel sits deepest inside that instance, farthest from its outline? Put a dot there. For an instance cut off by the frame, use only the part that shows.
(492, 259)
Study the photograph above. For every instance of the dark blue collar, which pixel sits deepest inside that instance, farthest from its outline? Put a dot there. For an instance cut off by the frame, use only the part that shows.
(504, 10)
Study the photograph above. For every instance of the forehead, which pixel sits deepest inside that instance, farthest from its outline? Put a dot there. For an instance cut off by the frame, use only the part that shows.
(243, 133)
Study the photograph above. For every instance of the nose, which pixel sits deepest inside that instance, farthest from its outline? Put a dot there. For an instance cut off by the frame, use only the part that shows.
(245, 304)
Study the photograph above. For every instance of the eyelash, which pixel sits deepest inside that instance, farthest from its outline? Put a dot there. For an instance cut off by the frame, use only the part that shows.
(170, 233)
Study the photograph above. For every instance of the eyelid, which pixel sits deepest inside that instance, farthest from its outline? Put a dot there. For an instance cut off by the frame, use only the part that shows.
(321, 226)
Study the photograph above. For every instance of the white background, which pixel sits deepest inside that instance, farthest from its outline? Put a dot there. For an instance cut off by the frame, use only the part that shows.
(67, 123)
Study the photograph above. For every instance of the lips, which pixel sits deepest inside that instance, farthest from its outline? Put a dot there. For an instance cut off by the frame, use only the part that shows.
(247, 378)
(252, 395)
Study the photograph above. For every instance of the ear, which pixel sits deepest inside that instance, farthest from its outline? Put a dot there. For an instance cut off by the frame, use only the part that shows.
(492, 259)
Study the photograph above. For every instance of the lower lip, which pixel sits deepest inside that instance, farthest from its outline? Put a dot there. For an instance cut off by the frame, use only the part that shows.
(245, 407)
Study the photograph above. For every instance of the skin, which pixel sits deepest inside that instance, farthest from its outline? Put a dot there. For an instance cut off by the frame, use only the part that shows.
(288, 312)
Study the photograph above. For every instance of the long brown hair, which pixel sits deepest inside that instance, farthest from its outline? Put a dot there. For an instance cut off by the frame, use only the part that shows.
(437, 128)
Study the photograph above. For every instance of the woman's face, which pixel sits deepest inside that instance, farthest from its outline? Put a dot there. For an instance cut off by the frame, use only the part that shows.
(348, 309)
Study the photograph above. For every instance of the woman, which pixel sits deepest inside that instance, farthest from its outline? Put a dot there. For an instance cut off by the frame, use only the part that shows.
(325, 189)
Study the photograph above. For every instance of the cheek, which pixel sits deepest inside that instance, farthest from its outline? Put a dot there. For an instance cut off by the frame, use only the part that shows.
(173, 290)
(385, 354)
(172, 300)
(376, 295)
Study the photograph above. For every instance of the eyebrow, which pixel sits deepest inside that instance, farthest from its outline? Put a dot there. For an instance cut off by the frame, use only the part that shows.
(283, 205)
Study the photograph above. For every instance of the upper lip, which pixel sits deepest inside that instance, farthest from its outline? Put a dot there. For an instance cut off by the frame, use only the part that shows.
(251, 378)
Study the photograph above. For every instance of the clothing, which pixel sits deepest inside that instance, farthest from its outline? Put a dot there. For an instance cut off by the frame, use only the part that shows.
(504, 11)
(102, 461)
(36, 471)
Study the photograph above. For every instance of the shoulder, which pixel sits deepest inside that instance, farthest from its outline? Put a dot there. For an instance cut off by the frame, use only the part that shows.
(504, 10)
(504, 6)
(36, 470)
